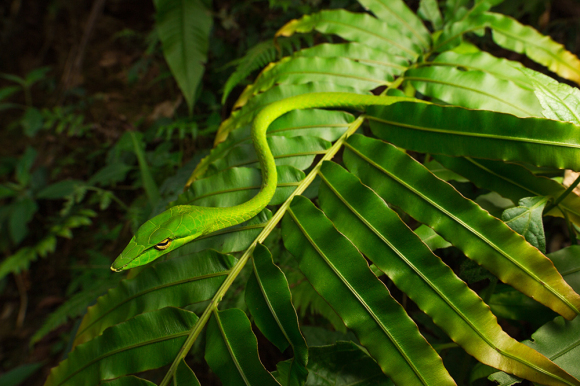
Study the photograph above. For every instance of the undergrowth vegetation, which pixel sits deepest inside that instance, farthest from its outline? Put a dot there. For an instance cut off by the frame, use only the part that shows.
(431, 241)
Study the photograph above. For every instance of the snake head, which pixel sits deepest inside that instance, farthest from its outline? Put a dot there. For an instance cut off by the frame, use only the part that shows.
(158, 236)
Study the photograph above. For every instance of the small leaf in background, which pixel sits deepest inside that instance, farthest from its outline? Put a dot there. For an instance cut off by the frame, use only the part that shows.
(20, 374)
(184, 28)
(560, 101)
(59, 189)
(21, 214)
(559, 340)
(231, 350)
(342, 364)
(429, 10)
(32, 121)
(431, 238)
(24, 165)
(110, 174)
(526, 219)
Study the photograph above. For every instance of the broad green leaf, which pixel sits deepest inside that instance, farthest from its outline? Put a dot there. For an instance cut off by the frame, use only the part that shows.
(513, 181)
(403, 182)
(398, 14)
(113, 354)
(359, 52)
(328, 125)
(482, 61)
(526, 219)
(128, 381)
(344, 364)
(456, 131)
(341, 275)
(237, 185)
(177, 282)
(183, 28)
(269, 300)
(432, 239)
(512, 35)
(559, 100)
(246, 114)
(298, 152)
(558, 340)
(228, 240)
(474, 89)
(355, 27)
(231, 350)
(429, 10)
(378, 232)
(300, 70)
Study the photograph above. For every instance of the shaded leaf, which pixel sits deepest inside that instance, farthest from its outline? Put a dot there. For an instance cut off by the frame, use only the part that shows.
(270, 303)
(432, 239)
(558, 340)
(183, 28)
(176, 282)
(403, 182)
(344, 364)
(341, 275)
(513, 181)
(231, 350)
(128, 381)
(379, 233)
(112, 354)
(443, 130)
(20, 374)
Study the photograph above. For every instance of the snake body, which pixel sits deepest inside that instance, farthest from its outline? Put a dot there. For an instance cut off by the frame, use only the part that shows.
(182, 224)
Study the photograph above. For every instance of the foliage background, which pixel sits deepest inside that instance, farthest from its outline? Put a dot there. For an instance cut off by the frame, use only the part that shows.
(104, 76)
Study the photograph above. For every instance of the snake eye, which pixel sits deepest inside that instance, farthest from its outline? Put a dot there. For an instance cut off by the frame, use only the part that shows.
(163, 244)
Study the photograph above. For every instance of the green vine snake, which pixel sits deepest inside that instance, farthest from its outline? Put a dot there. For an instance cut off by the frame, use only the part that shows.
(182, 224)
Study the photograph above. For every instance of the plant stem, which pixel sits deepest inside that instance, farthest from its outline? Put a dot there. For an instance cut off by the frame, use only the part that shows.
(563, 195)
(246, 256)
